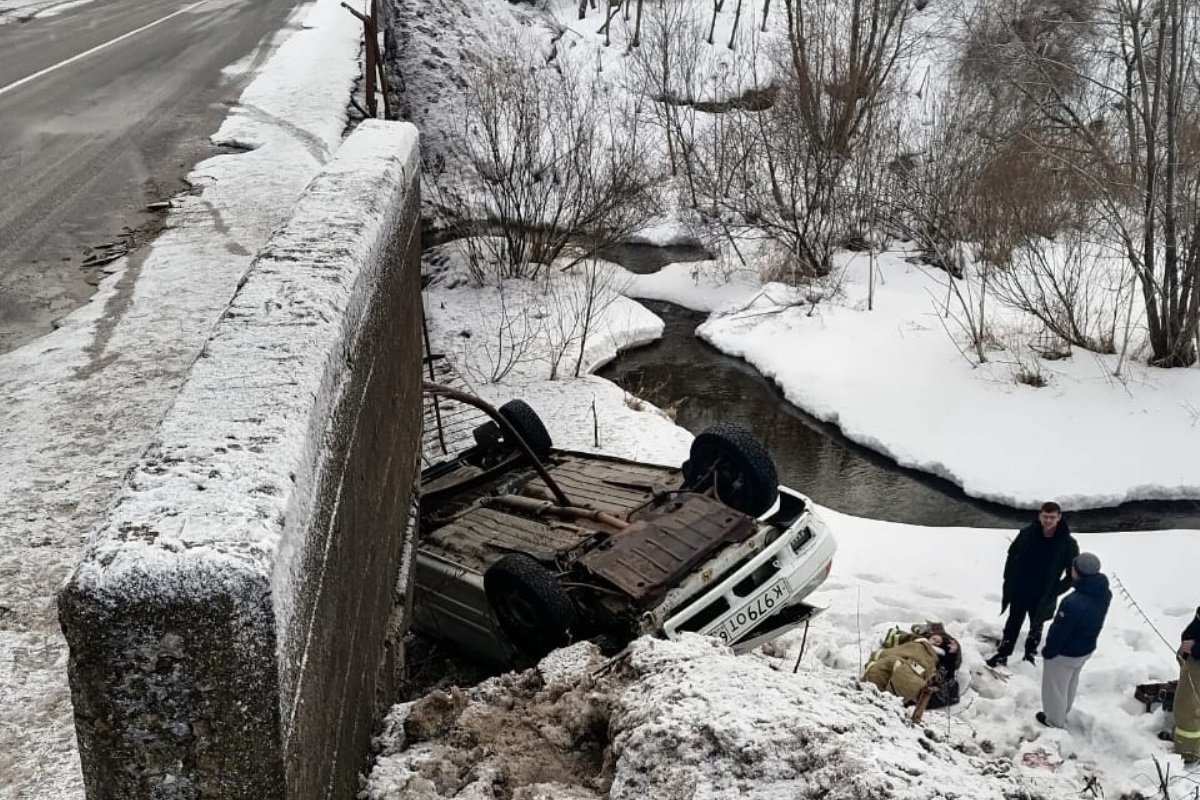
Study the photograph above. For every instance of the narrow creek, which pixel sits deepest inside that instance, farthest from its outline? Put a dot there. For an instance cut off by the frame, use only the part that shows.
(813, 457)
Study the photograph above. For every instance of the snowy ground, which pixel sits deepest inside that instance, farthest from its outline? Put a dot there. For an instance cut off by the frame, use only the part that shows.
(689, 720)
(81, 403)
(24, 10)
(896, 380)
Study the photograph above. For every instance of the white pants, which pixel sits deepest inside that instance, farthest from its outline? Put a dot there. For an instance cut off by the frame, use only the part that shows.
(1060, 679)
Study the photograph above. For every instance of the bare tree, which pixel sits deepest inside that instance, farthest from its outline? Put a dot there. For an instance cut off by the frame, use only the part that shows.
(578, 298)
(718, 5)
(1108, 93)
(548, 158)
(666, 69)
(785, 168)
(514, 342)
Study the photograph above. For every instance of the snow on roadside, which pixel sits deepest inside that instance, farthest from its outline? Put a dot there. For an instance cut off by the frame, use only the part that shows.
(82, 402)
(26, 10)
(893, 379)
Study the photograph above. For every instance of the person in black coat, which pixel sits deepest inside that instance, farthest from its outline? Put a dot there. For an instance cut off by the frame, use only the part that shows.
(1036, 572)
(1072, 639)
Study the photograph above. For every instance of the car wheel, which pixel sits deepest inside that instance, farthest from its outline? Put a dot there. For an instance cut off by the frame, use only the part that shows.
(533, 609)
(529, 426)
(728, 457)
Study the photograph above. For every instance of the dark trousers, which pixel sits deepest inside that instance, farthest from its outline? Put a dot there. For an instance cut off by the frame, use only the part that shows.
(1017, 612)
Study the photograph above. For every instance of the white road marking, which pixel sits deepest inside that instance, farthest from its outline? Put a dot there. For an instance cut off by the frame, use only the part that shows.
(98, 48)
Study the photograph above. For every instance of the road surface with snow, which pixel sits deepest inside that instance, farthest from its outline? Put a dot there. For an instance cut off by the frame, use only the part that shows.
(104, 108)
(81, 403)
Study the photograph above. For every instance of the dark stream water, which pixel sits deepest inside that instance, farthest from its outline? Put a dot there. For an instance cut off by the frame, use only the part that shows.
(814, 457)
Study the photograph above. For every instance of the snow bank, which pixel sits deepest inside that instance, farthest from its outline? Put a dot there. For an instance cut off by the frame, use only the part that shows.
(516, 330)
(282, 472)
(894, 379)
(678, 719)
(699, 285)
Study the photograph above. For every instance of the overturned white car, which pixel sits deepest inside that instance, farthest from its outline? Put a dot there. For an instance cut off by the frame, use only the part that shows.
(525, 547)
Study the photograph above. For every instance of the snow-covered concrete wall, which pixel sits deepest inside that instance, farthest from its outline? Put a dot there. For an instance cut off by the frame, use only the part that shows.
(229, 620)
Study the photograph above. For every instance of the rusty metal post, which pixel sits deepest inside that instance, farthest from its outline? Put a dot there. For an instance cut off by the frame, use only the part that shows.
(369, 54)
(437, 409)
(369, 71)
(379, 61)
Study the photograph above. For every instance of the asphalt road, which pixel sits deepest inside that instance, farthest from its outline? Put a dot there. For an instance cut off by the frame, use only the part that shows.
(94, 128)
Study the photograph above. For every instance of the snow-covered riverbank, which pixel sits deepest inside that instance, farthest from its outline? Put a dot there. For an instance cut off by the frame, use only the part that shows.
(690, 715)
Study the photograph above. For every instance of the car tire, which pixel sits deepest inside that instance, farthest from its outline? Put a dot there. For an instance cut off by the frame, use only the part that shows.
(528, 425)
(533, 609)
(742, 469)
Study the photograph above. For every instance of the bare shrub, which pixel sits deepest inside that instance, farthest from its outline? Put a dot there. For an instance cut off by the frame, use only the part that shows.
(1020, 42)
(917, 209)
(1080, 295)
(1029, 373)
(514, 342)
(792, 176)
(578, 299)
(965, 308)
(962, 179)
(636, 388)
(546, 157)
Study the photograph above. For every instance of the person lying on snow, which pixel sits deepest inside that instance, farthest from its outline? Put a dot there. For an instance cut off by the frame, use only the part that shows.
(909, 661)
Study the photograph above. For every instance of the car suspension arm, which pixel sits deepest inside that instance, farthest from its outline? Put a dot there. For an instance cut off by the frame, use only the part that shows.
(535, 506)
(438, 389)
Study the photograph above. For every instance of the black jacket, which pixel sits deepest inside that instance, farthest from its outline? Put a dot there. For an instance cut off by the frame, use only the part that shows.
(1080, 617)
(1036, 572)
(1192, 632)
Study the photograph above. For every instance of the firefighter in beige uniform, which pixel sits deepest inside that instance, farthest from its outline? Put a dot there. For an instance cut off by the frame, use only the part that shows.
(1187, 695)
(908, 661)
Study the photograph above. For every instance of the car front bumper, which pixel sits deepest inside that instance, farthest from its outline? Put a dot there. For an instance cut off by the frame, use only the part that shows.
(763, 598)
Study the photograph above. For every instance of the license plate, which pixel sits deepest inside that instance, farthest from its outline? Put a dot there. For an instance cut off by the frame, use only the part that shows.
(750, 615)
